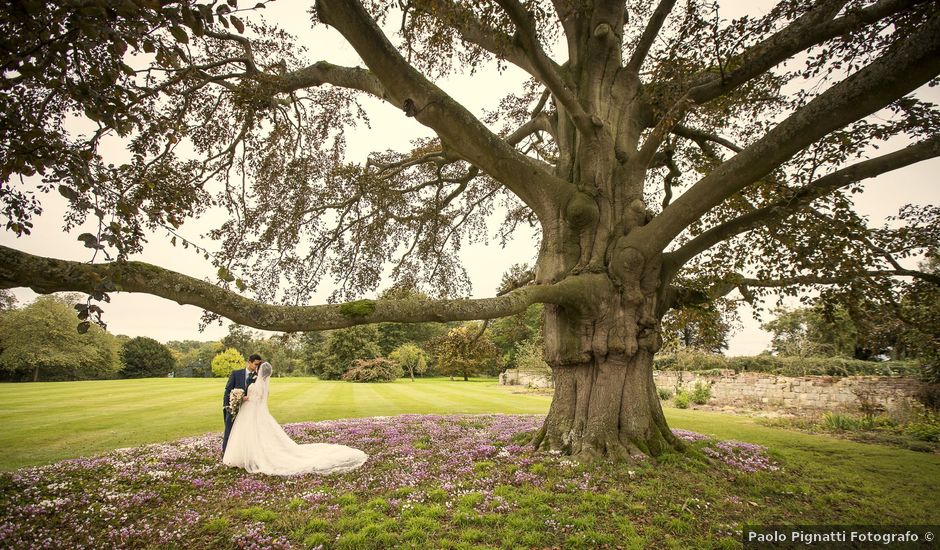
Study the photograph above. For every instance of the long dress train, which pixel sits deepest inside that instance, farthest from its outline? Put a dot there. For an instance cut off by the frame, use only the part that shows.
(259, 444)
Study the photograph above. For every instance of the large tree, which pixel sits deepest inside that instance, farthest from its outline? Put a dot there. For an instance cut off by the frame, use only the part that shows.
(667, 156)
(39, 342)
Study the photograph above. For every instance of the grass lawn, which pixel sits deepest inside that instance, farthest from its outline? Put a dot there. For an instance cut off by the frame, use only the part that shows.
(49, 421)
(452, 481)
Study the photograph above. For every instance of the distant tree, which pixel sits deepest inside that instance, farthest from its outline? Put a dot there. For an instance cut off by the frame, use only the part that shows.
(465, 350)
(197, 362)
(40, 342)
(706, 327)
(411, 358)
(812, 331)
(379, 369)
(312, 351)
(393, 335)
(508, 332)
(144, 357)
(530, 359)
(241, 338)
(227, 361)
(345, 346)
(919, 309)
(284, 351)
(184, 346)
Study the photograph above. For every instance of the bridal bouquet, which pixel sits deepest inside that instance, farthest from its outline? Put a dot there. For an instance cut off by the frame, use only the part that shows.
(235, 399)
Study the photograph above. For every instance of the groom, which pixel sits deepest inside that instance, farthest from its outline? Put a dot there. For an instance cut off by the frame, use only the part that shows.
(241, 378)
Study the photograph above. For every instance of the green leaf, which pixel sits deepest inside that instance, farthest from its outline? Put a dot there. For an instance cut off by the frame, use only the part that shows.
(225, 275)
(179, 34)
(90, 240)
(68, 193)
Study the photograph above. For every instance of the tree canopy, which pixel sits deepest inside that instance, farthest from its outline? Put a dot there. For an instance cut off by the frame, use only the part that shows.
(465, 351)
(39, 342)
(144, 357)
(666, 155)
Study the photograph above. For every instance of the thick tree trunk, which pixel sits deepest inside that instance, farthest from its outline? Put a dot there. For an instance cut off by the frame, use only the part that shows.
(35, 374)
(601, 348)
(607, 408)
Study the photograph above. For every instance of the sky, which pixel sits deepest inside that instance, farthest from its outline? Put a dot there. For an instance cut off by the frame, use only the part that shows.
(165, 320)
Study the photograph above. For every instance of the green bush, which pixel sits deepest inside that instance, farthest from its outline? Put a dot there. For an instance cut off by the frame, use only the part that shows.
(224, 363)
(691, 361)
(709, 364)
(682, 400)
(145, 358)
(929, 396)
(664, 393)
(925, 430)
(701, 393)
(373, 370)
(822, 366)
(841, 422)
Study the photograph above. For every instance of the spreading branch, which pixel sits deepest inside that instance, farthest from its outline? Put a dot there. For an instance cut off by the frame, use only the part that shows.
(323, 72)
(800, 198)
(914, 61)
(48, 275)
(547, 71)
(816, 26)
(701, 137)
(650, 33)
(474, 31)
(679, 297)
(432, 107)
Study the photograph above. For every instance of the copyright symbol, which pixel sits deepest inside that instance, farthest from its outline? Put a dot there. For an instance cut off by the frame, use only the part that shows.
(928, 536)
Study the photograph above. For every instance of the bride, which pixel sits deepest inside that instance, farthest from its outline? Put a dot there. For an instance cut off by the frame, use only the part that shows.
(259, 444)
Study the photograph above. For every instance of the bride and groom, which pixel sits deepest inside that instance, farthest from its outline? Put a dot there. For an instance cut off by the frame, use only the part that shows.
(253, 439)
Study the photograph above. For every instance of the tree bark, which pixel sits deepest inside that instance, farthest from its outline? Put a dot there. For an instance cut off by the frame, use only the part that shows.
(605, 402)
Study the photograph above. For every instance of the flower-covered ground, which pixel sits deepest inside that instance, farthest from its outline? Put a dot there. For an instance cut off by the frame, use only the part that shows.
(458, 481)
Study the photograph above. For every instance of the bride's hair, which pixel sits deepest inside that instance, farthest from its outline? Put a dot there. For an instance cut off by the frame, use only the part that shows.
(265, 369)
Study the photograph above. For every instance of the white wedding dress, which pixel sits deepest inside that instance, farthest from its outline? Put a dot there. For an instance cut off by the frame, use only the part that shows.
(259, 444)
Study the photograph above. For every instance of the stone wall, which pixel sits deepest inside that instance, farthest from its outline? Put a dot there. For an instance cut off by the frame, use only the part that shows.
(762, 390)
(512, 377)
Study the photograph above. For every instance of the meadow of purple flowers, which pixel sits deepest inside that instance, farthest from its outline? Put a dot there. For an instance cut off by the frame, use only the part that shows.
(440, 481)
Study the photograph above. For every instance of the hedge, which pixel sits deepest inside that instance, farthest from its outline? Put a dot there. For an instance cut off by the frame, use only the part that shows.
(786, 366)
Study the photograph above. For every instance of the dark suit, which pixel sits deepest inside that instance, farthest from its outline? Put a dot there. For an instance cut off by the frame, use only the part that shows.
(235, 380)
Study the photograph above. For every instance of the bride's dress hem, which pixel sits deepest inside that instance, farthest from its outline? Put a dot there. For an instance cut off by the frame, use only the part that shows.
(259, 444)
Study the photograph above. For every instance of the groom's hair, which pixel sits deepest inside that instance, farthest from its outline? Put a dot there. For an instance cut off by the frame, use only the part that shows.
(254, 357)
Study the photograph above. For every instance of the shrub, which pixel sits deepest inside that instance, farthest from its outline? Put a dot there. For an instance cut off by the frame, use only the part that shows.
(929, 395)
(373, 370)
(701, 393)
(822, 366)
(664, 393)
(145, 357)
(682, 400)
(926, 428)
(840, 422)
(224, 363)
(689, 360)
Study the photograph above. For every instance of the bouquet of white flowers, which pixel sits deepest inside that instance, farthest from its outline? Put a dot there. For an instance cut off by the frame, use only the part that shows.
(235, 399)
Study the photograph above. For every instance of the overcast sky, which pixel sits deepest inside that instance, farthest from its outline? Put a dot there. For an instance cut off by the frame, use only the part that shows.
(144, 315)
